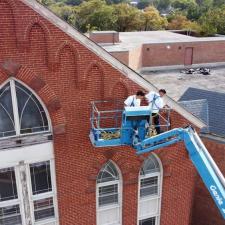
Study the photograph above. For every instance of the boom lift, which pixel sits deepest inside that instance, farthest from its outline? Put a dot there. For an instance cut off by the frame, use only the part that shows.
(107, 131)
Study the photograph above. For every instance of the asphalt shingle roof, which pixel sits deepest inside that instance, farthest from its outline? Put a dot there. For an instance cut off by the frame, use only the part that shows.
(214, 101)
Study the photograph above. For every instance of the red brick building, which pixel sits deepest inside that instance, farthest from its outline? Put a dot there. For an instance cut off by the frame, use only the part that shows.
(49, 171)
(147, 50)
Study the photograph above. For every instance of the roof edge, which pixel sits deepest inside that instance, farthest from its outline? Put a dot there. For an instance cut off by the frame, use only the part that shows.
(104, 55)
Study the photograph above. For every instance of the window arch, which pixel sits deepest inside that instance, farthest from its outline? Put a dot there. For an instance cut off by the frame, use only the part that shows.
(20, 111)
(150, 185)
(109, 195)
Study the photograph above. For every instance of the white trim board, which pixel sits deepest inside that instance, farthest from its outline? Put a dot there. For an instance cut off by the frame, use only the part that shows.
(126, 71)
(34, 153)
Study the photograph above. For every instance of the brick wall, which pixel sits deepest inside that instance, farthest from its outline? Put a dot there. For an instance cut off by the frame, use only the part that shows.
(135, 58)
(205, 211)
(104, 37)
(203, 52)
(122, 56)
(67, 76)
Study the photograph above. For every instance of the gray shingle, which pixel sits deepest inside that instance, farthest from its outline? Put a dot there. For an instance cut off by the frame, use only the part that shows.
(216, 107)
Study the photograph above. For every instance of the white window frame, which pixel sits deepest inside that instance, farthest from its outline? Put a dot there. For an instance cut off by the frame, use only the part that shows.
(151, 197)
(99, 209)
(17, 201)
(31, 154)
(50, 194)
(11, 81)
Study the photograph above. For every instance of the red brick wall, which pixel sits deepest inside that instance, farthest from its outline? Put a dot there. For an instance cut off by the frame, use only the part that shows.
(67, 76)
(203, 52)
(106, 37)
(121, 56)
(135, 58)
(205, 211)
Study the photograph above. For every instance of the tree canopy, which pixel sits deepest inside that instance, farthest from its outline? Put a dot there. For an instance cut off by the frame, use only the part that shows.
(205, 17)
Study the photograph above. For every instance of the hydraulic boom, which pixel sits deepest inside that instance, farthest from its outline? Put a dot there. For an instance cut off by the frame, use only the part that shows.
(203, 162)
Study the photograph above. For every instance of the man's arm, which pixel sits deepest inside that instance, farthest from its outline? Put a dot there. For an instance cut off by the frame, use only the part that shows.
(128, 101)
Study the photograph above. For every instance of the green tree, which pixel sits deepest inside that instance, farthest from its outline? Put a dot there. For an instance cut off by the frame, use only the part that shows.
(213, 21)
(205, 5)
(152, 19)
(46, 2)
(180, 22)
(110, 2)
(219, 2)
(143, 4)
(63, 11)
(103, 18)
(183, 4)
(193, 12)
(162, 5)
(72, 2)
(128, 17)
(95, 14)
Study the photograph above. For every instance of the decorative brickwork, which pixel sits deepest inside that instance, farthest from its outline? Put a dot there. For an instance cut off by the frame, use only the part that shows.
(67, 76)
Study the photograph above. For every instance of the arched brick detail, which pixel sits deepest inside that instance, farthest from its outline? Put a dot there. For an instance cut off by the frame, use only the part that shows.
(46, 31)
(61, 47)
(49, 98)
(57, 56)
(28, 28)
(98, 79)
(119, 90)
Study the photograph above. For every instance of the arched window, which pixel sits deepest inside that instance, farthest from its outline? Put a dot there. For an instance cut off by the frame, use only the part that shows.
(150, 182)
(20, 111)
(27, 172)
(109, 195)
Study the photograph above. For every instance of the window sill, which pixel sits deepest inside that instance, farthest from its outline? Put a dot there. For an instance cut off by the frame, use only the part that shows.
(30, 139)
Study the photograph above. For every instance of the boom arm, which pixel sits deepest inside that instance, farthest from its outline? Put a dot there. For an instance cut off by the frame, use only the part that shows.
(203, 162)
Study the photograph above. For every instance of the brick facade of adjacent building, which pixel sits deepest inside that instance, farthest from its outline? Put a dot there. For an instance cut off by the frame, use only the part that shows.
(67, 77)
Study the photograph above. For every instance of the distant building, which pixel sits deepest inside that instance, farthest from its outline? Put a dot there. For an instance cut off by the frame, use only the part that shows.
(153, 49)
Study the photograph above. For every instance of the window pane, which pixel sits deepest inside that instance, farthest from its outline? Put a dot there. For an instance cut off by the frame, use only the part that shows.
(149, 186)
(108, 200)
(10, 215)
(7, 127)
(8, 188)
(151, 165)
(108, 173)
(31, 114)
(44, 209)
(40, 177)
(149, 221)
(108, 195)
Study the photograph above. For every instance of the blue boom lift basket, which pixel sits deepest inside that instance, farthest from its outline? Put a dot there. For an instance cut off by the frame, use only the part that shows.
(112, 124)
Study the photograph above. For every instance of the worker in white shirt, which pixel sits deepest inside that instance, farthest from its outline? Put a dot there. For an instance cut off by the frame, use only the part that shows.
(155, 101)
(135, 100)
(138, 126)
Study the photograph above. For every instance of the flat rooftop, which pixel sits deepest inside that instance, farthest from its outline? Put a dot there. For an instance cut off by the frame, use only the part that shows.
(131, 40)
(177, 83)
